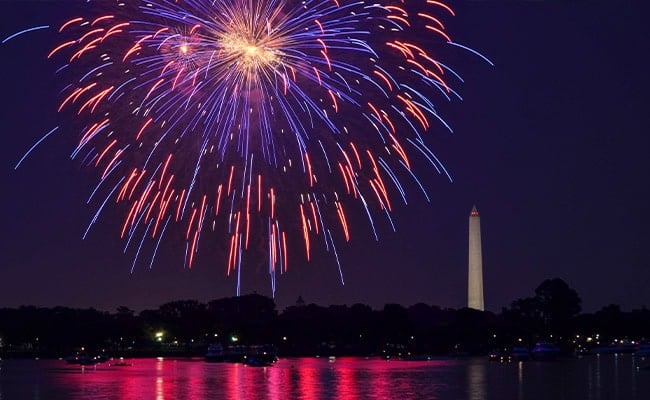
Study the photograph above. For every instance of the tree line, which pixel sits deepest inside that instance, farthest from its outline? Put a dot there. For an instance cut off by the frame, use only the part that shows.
(187, 327)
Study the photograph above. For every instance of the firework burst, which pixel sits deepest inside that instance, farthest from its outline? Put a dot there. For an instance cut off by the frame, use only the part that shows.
(253, 118)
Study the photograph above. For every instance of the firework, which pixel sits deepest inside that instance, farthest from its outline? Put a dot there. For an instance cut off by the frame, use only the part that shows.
(253, 118)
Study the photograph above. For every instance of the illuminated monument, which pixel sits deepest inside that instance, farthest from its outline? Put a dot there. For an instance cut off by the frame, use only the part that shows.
(475, 269)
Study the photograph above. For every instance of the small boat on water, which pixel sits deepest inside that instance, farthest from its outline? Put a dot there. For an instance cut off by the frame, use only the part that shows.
(415, 357)
(87, 360)
(81, 359)
(215, 353)
(643, 350)
(618, 347)
(545, 351)
(257, 361)
(514, 353)
(261, 356)
(520, 353)
(500, 355)
(254, 355)
(120, 362)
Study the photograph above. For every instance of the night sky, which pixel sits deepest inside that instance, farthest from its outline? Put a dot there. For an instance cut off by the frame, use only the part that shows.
(551, 144)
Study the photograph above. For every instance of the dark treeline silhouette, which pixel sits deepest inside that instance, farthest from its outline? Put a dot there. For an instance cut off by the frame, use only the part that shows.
(186, 327)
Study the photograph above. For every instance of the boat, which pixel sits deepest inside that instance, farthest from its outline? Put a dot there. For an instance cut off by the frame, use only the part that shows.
(120, 362)
(618, 347)
(500, 355)
(71, 359)
(545, 351)
(81, 359)
(102, 358)
(520, 353)
(254, 355)
(258, 361)
(86, 360)
(261, 355)
(415, 357)
(643, 350)
(624, 346)
(603, 350)
(235, 353)
(215, 353)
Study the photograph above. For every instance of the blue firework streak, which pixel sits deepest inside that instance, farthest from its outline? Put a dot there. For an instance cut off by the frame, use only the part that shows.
(261, 117)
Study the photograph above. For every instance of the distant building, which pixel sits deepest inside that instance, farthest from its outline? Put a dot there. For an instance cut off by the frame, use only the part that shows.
(475, 263)
(300, 302)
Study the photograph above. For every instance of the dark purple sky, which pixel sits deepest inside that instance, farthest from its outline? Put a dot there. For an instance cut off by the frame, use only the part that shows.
(551, 144)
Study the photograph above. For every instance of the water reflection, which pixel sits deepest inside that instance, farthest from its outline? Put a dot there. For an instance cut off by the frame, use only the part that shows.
(347, 388)
(160, 392)
(235, 386)
(380, 382)
(307, 380)
(616, 367)
(597, 389)
(476, 380)
(316, 379)
(520, 380)
(159, 389)
(274, 383)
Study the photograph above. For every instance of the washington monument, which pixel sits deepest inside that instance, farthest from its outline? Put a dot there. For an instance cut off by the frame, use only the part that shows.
(475, 269)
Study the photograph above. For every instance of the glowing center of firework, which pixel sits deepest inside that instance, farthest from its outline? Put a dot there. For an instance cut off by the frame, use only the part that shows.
(184, 49)
(249, 52)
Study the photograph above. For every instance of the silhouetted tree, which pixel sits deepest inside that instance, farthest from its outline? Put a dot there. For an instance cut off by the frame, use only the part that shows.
(558, 304)
(187, 320)
(523, 319)
(307, 330)
(250, 318)
(126, 329)
(395, 326)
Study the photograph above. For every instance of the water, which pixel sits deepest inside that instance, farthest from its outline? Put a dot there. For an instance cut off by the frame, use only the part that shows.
(595, 377)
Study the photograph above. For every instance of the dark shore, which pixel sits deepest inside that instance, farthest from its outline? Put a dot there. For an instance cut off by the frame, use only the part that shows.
(186, 328)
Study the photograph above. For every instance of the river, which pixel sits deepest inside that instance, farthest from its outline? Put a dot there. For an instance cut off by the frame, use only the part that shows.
(595, 377)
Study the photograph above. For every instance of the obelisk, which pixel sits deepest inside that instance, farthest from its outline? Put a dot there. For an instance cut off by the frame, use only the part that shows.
(475, 261)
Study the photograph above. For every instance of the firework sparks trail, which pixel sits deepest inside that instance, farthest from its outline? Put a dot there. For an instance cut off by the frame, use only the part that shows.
(266, 117)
